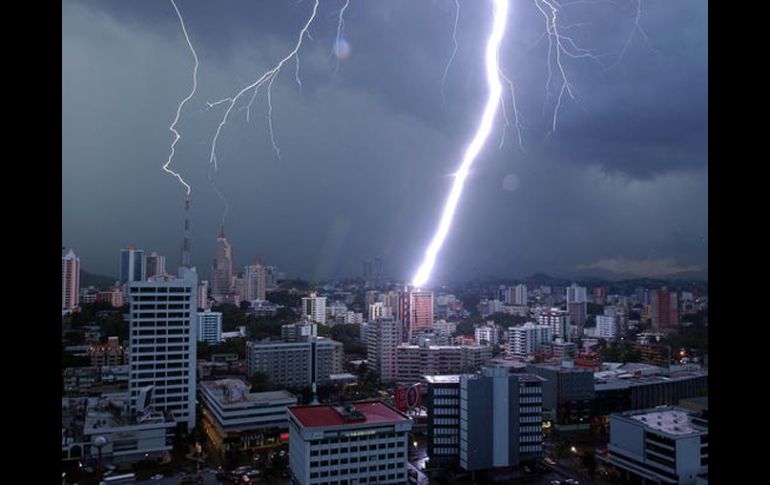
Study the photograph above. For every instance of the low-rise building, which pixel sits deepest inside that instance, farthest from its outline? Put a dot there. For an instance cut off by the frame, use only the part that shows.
(415, 361)
(661, 445)
(362, 442)
(236, 419)
(109, 354)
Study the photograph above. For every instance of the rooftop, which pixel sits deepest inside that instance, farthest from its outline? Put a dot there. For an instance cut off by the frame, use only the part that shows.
(364, 412)
(236, 390)
(673, 421)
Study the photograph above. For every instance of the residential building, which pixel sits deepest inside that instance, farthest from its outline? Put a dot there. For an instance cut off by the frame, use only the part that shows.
(70, 280)
(415, 361)
(490, 307)
(203, 295)
(300, 331)
(486, 334)
(665, 309)
(222, 269)
(577, 305)
(210, 327)
(254, 281)
(314, 308)
(607, 327)
(420, 310)
(109, 354)
(295, 364)
(362, 442)
(525, 340)
(558, 320)
(235, 419)
(156, 265)
(383, 337)
(661, 445)
(163, 338)
(114, 296)
(500, 419)
(515, 295)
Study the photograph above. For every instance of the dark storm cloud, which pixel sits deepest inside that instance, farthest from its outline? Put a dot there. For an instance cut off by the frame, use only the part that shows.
(366, 151)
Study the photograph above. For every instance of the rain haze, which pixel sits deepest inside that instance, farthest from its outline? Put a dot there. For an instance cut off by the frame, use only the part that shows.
(368, 143)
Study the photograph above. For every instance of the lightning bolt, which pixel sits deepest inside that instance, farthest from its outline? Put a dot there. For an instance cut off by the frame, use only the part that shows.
(338, 40)
(266, 78)
(454, 50)
(172, 128)
(500, 14)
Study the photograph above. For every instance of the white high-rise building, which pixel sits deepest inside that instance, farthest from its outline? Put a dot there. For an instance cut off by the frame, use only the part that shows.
(527, 339)
(163, 336)
(383, 336)
(378, 310)
(486, 334)
(254, 281)
(210, 327)
(156, 265)
(607, 327)
(132, 265)
(70, 280)
(314, 308)
(516, 295)
(203, 295)
(558, 320)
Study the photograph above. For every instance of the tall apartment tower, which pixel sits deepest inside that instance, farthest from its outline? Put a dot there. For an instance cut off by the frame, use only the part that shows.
(383, 336)
(163, 338)
(577, 303)
(665, 308)
(558, 320)
(70, 280)
(515, 295)
(500, 419)
(156, 265)
(254, 281)
(222, 269)
(314, 308)
(420, 310)
(132, 265)
(527, 339)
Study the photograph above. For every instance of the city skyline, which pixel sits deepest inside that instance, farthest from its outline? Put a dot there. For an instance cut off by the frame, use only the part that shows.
(621, 185)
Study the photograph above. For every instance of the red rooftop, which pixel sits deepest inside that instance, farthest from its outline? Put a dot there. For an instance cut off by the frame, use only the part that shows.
(364, 412)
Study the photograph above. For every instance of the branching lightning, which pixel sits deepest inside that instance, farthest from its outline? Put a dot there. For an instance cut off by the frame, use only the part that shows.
(339, 39)
(172, 128)
(454, 50)
(500, 15)
(266, 78)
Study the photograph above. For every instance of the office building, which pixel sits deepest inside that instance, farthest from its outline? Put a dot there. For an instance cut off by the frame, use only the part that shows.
(665, 309)
(661, 445)
(362, 442)
(221, 277)
(235, 419)
(558, 320)
(156, 265)
(568, 394)
(415, 361)
(70, 280)
(132, 265)
(163, 342)
(383, 336)
(443, 408)
(295, 364)
(254, 281)
(525, 340)
(314, 308)
(210, 327)
(500, 419)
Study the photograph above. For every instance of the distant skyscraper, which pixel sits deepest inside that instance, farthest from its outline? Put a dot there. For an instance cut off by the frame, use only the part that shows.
(383, 338)
(420, 310)
(254, 281)
(314, 308)
(222, 270)
(203, 294)
(163, 334)
(132, 265)
(515, 295)
(665, 308)
(577, 303)
(209, 327)
(70, 280)
(156, 265)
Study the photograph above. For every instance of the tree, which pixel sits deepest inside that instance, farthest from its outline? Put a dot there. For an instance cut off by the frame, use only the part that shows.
(588, 460)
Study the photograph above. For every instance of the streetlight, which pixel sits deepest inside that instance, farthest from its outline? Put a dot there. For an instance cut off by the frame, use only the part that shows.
(99, 442)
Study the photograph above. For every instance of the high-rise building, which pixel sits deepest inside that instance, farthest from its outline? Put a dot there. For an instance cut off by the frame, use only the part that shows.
(500, 419)
(314, 308)
(577, 303)
(299, 332)
(558, 320)
(272, 275)
(254, 281)
(486, 334)
(203, 295)
(607, 327)
(415, 361)
(156, 265)
(420, 310)
(443, 406)
(361, 442)
(222, 270)
(515, 295)
(163, 337)
(527, 339)
(70, 280)
(665, 308)
(376, 310)
(132, 265)
(568, 394)
(383, 337)
(295, 364)
(210, 327)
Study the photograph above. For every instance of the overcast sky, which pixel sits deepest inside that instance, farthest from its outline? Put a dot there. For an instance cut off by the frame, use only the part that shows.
(367, 149)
